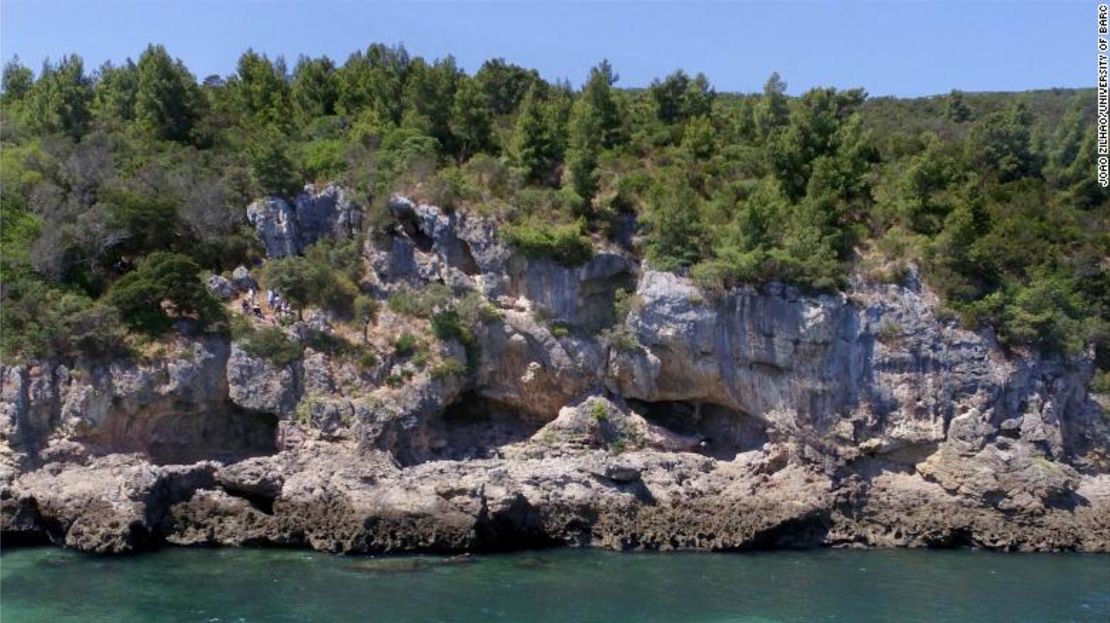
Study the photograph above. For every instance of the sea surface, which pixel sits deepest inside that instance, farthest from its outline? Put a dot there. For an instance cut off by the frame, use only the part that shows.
(229, 585)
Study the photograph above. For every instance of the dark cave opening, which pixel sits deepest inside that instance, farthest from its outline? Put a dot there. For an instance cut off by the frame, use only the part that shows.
(187, 435)
(724, 432)
(472, 427)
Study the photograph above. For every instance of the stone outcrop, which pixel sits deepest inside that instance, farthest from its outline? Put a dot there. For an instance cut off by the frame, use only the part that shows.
(287, 229)
(752, 418)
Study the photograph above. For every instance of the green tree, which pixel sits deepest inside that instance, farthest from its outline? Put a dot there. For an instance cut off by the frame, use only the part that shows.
(582, 153)
(599, 95)
(1000, 143)
(17, 79)
(60, 99)
(374, 81)
(167, 97)
(116, 92)
(1046, 315)
(310, 280)
(505, 84)
(772, 111)
(271, 168)
(314, 89)
(260, 90)
(471, 121)
(679, 98)
(162, 277)
(676, 231)
(429, 98)
(955, 108)
(535, 149)
(699, 138)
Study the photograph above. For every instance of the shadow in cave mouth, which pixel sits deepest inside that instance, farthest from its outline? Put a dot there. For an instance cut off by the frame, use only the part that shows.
(472, 427)
(725, 432)
(185, 436)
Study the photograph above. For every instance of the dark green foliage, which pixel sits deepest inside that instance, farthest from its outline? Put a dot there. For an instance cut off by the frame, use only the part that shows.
(260, 90)
(314, 89)
(117, 89)
(41, 322)
(60, 99)
(323, 277)
(677, 233)
(167, 97)
(535, 148)
(471, 120)
(163, 280)
(679, 98)
(999, 143)
(504, 84)
(955, 107)
(448, 325)
(271, 167)
(17, 80)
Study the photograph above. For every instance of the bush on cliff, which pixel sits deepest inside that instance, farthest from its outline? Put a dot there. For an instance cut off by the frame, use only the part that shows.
(164, 284)
(565, 244)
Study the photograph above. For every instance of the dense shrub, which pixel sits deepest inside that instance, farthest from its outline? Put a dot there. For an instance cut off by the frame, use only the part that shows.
(272, 344)
(142, 295)
(565, 244)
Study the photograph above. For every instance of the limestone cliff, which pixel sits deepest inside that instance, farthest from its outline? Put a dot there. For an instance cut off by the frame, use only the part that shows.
(685, 418)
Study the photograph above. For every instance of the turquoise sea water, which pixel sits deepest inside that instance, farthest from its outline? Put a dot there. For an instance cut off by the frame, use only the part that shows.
(52, 585)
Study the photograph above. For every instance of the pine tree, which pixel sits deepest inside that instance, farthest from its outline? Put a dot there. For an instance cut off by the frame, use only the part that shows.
(772, 112)
(583, 150)
(534, 148)
(18, 79)
(260, 90)
(314, 89)
(60, 99)
(471, 121)
(167, 96)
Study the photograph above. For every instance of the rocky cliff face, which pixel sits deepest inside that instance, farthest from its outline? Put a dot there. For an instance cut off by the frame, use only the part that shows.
(758, 417)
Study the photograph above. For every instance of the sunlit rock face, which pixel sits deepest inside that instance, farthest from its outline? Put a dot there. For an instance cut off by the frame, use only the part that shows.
(681, 418)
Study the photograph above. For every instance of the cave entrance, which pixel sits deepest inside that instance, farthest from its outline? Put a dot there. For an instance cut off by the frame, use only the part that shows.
(472, 427)
(725, 432)
(187, 435)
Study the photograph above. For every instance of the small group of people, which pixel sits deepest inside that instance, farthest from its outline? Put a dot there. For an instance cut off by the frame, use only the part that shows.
(274, 301)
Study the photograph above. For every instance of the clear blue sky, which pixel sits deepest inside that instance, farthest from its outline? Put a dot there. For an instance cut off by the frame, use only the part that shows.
(889, 48)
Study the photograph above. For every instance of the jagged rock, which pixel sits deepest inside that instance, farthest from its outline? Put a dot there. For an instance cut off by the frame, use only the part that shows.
(523, 365)
(286, 229)
(599, 423)
(113, 505)
(275, 223)
(257, 385)
(242, 279)
(220, 287)
(173, 409)
(258, 477)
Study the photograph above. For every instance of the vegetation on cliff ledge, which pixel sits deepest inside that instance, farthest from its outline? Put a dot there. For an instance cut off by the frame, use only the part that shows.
(122, 183)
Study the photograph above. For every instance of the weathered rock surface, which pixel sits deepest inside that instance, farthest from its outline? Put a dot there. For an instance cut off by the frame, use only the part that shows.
(758, 417)
(286, 229)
